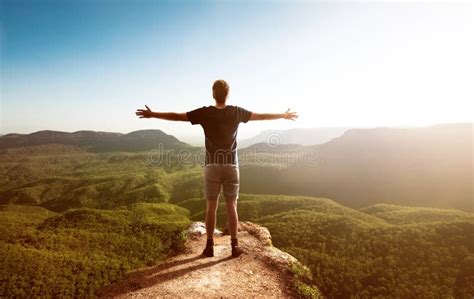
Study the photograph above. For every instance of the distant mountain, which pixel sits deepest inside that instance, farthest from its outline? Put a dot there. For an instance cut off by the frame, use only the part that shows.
(429, 166)
(264, 147)
(303, 136)
(95, 141)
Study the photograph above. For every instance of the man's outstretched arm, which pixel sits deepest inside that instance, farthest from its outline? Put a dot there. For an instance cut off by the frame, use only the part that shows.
(147, 113)
(270, 116)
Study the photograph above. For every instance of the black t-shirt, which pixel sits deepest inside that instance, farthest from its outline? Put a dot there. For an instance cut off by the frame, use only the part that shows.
(220, 128)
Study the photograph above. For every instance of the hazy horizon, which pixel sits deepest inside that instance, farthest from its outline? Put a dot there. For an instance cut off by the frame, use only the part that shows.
(198, 140)
(337, 64)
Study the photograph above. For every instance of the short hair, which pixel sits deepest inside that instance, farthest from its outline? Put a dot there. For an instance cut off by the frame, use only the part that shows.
(220, 90)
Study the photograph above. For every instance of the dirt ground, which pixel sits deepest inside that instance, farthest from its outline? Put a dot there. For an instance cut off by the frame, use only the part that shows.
(189, 274)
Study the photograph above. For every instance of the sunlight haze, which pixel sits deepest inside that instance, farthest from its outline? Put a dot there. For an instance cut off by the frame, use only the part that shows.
(89, 65)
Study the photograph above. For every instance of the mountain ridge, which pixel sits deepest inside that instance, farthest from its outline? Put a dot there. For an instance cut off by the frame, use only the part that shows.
(99, 141)
(425, 166)
(302, 136)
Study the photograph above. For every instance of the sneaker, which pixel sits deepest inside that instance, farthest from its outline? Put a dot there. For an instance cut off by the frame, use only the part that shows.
(236, 251)
(209, 250)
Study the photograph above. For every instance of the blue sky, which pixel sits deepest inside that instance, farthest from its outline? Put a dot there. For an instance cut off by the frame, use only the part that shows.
(73, 65)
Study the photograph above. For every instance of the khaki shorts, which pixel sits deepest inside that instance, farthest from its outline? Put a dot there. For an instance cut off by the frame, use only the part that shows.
(225, 176)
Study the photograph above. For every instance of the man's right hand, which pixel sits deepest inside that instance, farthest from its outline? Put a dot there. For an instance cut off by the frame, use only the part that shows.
(290, 115)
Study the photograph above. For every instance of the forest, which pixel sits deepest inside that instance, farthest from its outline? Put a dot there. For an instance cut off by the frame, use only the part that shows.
(73, 220)
(72, 254)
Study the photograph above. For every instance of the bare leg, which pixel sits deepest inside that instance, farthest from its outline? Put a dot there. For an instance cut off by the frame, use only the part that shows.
(232, 216)
(211, 212)
(210, 225)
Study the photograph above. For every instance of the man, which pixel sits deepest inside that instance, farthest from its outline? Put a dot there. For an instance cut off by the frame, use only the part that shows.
(220, 123)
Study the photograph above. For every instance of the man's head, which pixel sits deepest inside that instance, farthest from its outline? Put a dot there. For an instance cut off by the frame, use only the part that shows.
(220, 90)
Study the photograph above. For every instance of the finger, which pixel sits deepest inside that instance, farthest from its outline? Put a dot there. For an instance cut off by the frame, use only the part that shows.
(142, 117)
(141, 110)
(148, 108)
